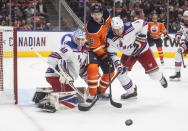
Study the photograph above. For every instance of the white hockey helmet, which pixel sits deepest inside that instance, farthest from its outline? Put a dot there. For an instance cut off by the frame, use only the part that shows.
(185, 13)
(116, 23)
(79, 37)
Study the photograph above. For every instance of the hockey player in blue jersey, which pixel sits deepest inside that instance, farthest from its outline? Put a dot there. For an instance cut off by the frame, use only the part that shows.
(183, 49)
(70, 62)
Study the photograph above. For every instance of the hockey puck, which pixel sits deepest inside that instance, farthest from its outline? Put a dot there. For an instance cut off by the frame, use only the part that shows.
(128, 122)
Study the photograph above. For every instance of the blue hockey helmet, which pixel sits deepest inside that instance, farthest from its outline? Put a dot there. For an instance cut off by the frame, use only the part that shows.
(79, 37)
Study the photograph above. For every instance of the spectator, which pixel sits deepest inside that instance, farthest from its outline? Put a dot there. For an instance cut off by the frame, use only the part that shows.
(29, 11)
(22, 14)
(130, 10)
(41, 9)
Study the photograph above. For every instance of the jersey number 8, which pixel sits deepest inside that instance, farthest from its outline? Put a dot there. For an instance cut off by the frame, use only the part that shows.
(91, 41)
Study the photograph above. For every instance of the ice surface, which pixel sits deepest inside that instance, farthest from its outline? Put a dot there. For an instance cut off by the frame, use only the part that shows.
(155, 109)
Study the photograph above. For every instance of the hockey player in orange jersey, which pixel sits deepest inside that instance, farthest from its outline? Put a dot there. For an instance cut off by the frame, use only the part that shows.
(96, 29)
(155, 30)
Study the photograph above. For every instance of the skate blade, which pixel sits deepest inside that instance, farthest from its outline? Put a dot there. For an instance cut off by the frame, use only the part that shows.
(176, 79)
(128, 99)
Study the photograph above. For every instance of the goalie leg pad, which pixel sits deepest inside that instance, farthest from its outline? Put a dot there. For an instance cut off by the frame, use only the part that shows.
(68, 99)
(40, 94)
(54, 101)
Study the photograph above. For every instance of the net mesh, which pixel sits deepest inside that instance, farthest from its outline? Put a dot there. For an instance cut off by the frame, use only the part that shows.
(7, 62)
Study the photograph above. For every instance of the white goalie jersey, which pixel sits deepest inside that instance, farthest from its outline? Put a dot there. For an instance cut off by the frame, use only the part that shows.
(133, 31)
(73, 59)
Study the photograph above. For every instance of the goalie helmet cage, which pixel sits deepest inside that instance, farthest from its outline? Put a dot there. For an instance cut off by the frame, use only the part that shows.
(8, 65)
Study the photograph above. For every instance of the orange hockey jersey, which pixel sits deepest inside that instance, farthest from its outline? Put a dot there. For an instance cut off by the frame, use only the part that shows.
(156, 29)
(96, 34)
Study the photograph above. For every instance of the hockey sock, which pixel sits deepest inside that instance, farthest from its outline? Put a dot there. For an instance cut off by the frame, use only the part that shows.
(160, 51)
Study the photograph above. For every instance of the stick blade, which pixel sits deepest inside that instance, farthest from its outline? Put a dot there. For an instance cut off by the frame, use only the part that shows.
(115, 104)
(87, 107)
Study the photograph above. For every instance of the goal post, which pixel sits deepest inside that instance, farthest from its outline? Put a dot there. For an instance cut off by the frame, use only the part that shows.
(8, 65)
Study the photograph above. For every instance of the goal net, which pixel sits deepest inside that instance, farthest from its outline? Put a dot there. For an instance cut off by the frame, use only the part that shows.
(8, 65)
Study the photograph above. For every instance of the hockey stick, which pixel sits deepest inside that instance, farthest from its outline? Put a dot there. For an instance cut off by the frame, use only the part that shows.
(115, 104)
(184, 66)
(83, 107)
(60, 74)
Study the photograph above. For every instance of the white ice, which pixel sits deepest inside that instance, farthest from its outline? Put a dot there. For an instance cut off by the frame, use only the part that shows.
(155, 109)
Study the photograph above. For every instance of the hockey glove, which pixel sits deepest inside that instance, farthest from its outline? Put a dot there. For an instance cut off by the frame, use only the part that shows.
(118, 65)
(178, 37)
(106, 59)
(166, 37)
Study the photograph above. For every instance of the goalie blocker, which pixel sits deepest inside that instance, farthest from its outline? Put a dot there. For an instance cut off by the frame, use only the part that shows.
(50, 101)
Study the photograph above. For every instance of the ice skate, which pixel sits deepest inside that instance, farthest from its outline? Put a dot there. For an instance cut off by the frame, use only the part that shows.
(175, 77)
(129, 95)
(47, 107)
(90, 98)
(162, 62)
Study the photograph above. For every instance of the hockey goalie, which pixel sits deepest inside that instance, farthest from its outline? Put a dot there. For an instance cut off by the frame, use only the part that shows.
(65, 66)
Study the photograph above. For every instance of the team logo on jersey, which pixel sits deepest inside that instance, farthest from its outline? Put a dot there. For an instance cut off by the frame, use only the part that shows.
(154, 29)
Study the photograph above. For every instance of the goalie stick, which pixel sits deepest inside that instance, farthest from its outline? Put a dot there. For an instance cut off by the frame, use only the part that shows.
(64, 75)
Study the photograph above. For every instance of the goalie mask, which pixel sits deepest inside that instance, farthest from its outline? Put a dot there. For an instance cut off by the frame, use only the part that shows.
(117, 26)
(79, 37)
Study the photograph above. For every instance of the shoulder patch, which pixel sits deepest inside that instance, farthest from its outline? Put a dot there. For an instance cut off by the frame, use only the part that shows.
(128, 25)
